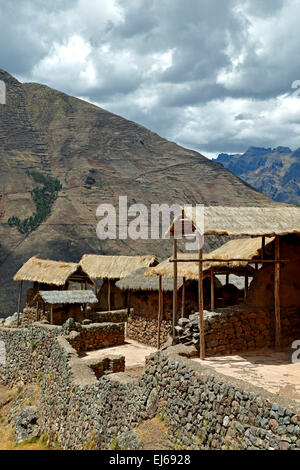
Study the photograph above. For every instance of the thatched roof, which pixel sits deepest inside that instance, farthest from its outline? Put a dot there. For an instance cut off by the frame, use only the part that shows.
(68, 297)
(47, 271)
(249, 248)
(115, 267)
(165, 268)
(243, 221)
(138, 282)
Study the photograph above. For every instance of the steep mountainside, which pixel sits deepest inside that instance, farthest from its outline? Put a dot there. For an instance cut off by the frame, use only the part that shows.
(96, 156)
(275, 172)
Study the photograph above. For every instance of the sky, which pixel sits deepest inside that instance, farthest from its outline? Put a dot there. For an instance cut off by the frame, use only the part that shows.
(212, 75)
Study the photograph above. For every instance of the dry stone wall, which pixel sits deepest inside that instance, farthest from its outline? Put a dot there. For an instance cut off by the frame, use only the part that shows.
(145, 330)
(202, 409)
(112, 316)
(239, 329)
(97, 336)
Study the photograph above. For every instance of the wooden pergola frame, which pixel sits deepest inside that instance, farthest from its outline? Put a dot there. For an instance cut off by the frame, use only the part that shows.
(276, 261)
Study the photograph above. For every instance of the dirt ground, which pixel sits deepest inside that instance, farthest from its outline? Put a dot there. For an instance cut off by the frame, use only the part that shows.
(271, 370)
(153, 435)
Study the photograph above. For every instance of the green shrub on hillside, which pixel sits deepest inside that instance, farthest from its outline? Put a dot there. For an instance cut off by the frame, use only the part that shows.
(43, 198)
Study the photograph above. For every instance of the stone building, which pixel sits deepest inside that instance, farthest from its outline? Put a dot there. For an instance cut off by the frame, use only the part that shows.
(47, 275)
(143, 296)
(269, 313)
(106, 270)
(56, 306)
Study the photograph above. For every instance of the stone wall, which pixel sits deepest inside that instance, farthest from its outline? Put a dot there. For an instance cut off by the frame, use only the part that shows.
(142, 322)
(201, 408)
(144, 330)
(97, 336)
(107, 365)
(239, 329)
(113, 316)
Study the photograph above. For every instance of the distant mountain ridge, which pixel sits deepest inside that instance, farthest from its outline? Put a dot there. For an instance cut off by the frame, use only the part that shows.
(275, 172)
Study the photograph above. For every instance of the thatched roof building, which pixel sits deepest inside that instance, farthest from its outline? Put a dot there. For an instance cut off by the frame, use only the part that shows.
(241, 221)
(137, 281)
(272, 221)
(54, 297)
(241, 248)
(51, 272)
(245, 248)
(115, 267)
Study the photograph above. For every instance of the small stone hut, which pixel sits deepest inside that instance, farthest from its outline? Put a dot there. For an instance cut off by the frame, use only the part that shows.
(47, 275)
(145, 324)
(59, 305)
(108, 270)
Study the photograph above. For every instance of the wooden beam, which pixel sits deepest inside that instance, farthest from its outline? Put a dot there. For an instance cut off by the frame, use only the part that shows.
(108, 295)
(230, 260)
(200, 301)
(51, 315)
(128, 310)
(183, 298)
(277, 295)
(263, 247)
(212, 290)
(19, 302)
(159, 310)
(174, 287)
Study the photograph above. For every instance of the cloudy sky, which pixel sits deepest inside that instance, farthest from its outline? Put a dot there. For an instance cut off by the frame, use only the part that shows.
(212, 75)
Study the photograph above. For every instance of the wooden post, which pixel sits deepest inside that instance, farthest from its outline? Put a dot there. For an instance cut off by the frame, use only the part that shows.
(227, 278)
(246, 283)
(183, 298)
(51, 315)
(37, 312)
(174, 287)
(159, 310)
(108, 295)
(277, 294)
(212, 290)
(128, 311)
(19, 303)
(263, 246)
(200, 301)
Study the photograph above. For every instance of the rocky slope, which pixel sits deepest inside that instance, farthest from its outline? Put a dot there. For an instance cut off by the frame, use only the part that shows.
(96, 156)
(275, 172)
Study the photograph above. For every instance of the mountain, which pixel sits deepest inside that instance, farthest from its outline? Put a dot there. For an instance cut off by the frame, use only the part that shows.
(48, 139)
(275, 172)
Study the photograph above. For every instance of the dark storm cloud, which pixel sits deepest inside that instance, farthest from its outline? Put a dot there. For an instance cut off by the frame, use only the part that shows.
(207, 74)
